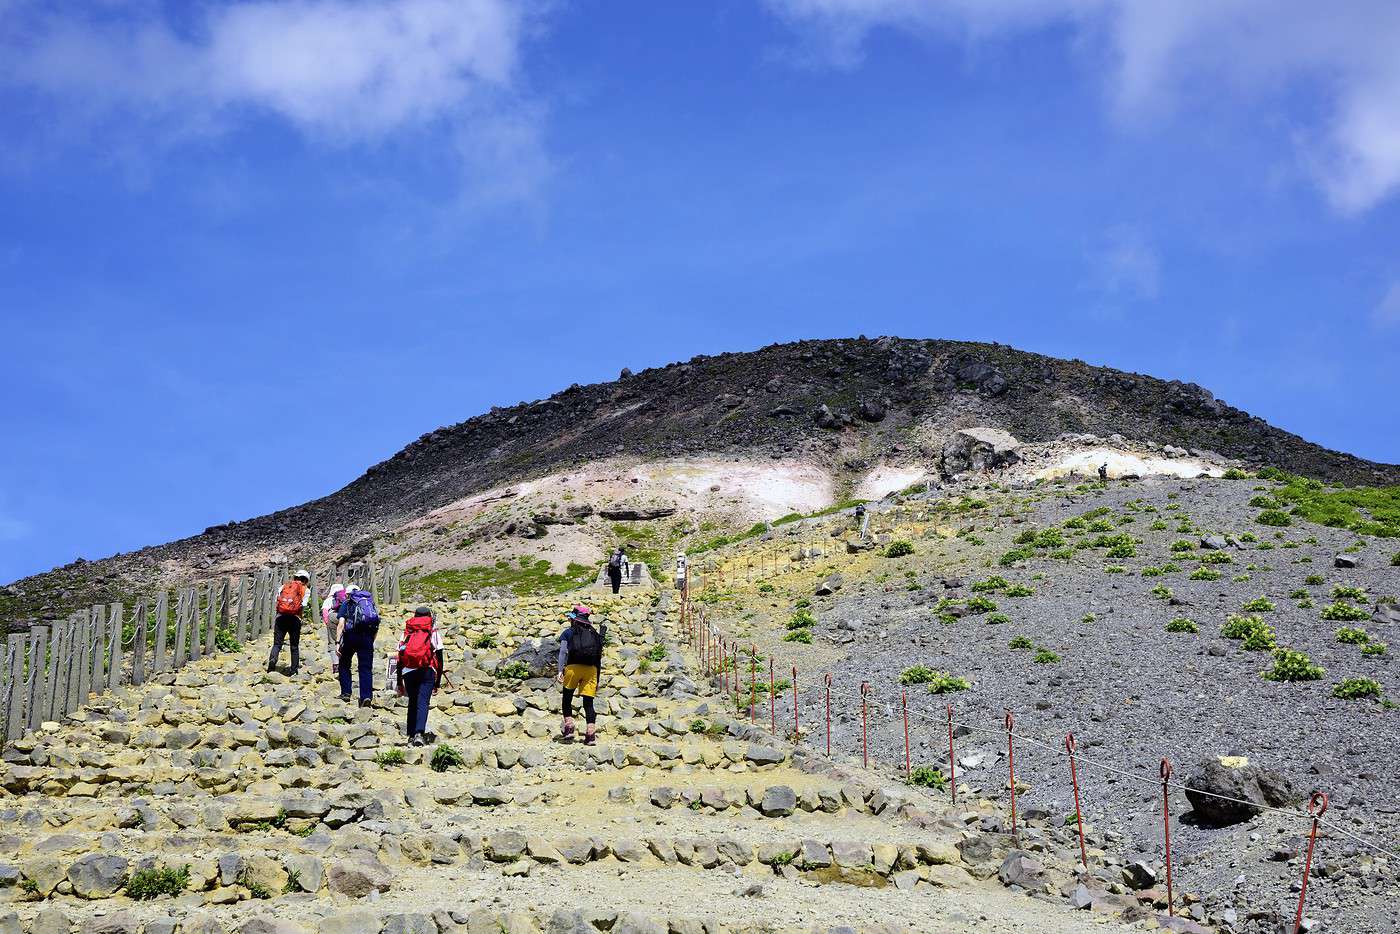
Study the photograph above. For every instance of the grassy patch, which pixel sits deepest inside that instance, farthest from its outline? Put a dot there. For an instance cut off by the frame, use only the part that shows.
(899, 548)
(389, 758)
(1044, 656)
(1183, 624)
(1291, 665)
(1259, 605)
(1348, 635)
(1343, 612)
(1256, 634)
(1361, 509)
(1356, 688)
(146, 884)
(446, 757)
(523, 577)
(1019, 643)
(926, 776)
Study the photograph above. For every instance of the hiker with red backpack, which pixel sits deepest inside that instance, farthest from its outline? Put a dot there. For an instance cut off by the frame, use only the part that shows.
(291, 601)
(420, 670)
(580, 665)
(359, 625)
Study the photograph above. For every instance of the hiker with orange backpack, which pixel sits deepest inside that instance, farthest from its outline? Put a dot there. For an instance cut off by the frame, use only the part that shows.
(291, 601)
(580, 664)
(420, 670)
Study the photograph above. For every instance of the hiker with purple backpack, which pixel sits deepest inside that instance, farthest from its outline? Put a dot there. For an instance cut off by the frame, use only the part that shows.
(359, 625)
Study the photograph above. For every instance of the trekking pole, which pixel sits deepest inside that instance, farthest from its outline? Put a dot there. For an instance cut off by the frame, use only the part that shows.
(1078, 815)
(1166, 772)
(828, 716)
(1317, 806)
(864, 731)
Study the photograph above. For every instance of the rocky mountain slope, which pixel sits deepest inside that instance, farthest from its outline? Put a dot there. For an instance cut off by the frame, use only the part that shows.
(845, 407)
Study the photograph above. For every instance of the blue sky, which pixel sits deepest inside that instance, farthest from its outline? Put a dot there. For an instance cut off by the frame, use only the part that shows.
(235, 235)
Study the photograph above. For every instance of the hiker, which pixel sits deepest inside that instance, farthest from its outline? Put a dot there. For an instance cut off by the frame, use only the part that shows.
(580, 664)
(1103, 472)
(330, 608)
(420, 670)
(617, 567)
(680, 571)
(291, 600)
(359, 624)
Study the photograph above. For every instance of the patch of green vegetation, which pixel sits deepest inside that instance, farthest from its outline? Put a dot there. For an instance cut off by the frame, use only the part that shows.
(1183, 624)
(802, 619)
(1343, 612)
(226, 640)
(1274, 517)
(1256, 634)
(255, 889)
(1345, 592)
(1020, 642)
(1313, 580)
(517, 671)
(1020, 590)
(1015, 555)
(446, 757)
(1161, 592)
(1181, 545)
(1151, 571)
(484, 641)
(803, 636)
(1356, 688)
(524, 577)
(926, 776)
(994, 582)
(1115, 569)
(145, 884)
(1088, 618)
(1259, 605)
(980, 604)
(1292, 665)
(1374, 648)
(1044, 656)
(997, 619)
(899, 548)
(1215, 557)
(766, 587)
(388, 758)
(1204, 573)
(1361, 509)
(1350, 635)
(944, 683)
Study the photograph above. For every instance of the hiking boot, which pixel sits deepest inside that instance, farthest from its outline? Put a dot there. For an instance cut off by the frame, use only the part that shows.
(345, 698)
(566, 732)
(590, 739)
(364, 702)
(417, 740)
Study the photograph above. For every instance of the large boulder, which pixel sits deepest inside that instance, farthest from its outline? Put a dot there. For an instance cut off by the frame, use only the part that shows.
(1248, 788)
(975, 449)
(542, 656)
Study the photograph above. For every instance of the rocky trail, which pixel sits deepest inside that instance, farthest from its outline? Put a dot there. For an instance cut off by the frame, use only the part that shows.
(226, 798)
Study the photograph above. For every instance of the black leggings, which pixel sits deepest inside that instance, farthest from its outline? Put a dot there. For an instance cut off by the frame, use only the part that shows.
(588, 715)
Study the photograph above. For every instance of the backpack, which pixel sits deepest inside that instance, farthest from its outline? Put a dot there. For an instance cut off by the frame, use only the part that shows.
(615, 561)
(362, 609)
(416, 650)
(585, 646)
(289, 598)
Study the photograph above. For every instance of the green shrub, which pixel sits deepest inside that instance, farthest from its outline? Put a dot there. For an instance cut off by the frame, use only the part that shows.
(918, 674)
(803, 636)
(1044, 656)
(225, 640)
(1020, 590)
(1345, 592)
(145, 884)
(1183, 624)
(899, 548)
(1290, 665)
(388, 758)
(1158, 525)
(1312, 580)
(1088, 618)
(1214, 557)
(1259, 605)
(1348, 635)
(945, 683)
(1099, 525)
(1356, 688)
(766, 587)
(1115, 569)
(1016, 554)
(926, 776)
(1182, 544)
(1298, 594)
(1241, 578)
(446, 757)
(802, 619)
(1395, 560)
(994, 582)
(517, 671)
(1344, 612)
(657, 653)
(485, 641)
(1305, 603)
(1374, 648)
(1234, 473)
(980, 604)
(1256, 635)
(1249, 537)
(1171, 567)
(1275, 517)
(1151, 571)
(1161, 592)
(997, 619)
(1020, 642)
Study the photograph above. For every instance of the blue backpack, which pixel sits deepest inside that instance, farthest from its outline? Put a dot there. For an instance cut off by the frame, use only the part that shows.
(362, 610)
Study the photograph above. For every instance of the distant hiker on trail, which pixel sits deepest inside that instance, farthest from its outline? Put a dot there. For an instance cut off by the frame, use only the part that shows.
(291, 600)
(617, 567)
(680, 570)
(580, 664)
(359, 624)
(860, 516)
(420, 670)
(1103, 473)
(330, 620)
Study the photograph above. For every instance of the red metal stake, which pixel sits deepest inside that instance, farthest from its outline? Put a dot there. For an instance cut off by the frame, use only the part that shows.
(1166, 771)
(904, 702)
(864, 731)
(828, 716)
(772, 700)
(796, 721)
(1317, 806)
(753, 681)
(952, 760)
(1011, 768)
(1078, 815)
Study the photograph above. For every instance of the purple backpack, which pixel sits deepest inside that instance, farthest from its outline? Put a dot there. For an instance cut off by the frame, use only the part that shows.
(362, 610)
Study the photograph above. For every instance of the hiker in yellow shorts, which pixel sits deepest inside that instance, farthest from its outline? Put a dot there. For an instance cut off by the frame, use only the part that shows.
(580, 660)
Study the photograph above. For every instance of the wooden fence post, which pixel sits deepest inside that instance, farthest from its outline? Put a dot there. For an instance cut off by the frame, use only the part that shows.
(162, 618)
(74, 662)
(115, 623)
(38, 674)
(58, 638)
(211, 619)
(196, 634)
(244, 610)
(138, 645)
(14, 713)
(225, 599)
(314, 589)
(98, 679)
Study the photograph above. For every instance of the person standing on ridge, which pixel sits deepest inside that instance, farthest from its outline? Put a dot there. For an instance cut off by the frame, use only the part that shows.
(291, 601)
(420, 670)
(359, 624)
(1103, 473)
(330, 608)
(680, 571)
(580, 666)
(617, 567)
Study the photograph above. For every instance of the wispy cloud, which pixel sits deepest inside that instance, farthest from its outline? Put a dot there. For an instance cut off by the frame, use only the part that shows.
(1124, 268)
(1156, 55)
(339, 72)
(1387, 312)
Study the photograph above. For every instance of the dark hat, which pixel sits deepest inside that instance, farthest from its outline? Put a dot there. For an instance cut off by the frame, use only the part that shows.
(422, 611)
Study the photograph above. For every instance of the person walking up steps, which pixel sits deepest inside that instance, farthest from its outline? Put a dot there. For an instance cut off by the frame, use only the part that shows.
(359, 624)
(291, 600)
(330, 620)
(420, 670)
(580, 664)
(617, 566)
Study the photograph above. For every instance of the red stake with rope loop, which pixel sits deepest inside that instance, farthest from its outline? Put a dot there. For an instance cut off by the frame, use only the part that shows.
(1011, 769)
(952, 762)
(1166, 771)
(772, 700)
(1078, 815)
(864, 731)
(796, 722)
(904, 702)
(753, 681)
(1317, 806)
(828, 716)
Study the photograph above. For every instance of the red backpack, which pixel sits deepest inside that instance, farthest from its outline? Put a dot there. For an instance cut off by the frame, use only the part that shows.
(289, 599)
(417, 651)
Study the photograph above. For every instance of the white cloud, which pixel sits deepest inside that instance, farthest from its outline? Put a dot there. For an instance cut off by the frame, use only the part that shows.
(1124, 268)
(341, 72)
(1155, 54)
(1387, 313)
